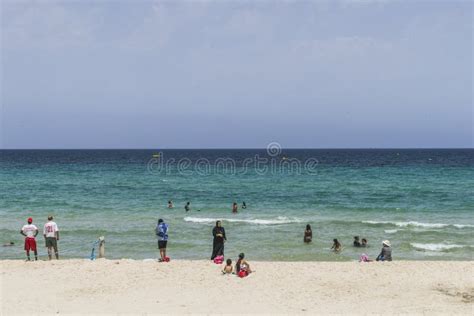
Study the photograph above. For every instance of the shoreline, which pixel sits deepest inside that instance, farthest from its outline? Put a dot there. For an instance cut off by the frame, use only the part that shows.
(129, 286)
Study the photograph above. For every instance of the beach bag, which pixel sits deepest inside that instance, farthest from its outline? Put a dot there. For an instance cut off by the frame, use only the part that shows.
(242, 274)
(219, 259)
(364, 258)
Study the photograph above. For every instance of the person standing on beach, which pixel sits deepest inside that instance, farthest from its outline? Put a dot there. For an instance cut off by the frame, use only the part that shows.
(187, 207)
(30, 232)
(162, 233)
(219, 239)
(235, 208)
(51, 237)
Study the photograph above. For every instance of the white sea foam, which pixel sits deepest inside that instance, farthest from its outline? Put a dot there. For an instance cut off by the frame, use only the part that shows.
(391, 231)
(416, 224)
(435, 247)
(279, 220)
(462, 226)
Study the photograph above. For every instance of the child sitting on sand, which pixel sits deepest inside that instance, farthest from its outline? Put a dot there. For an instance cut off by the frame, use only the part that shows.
(228, 269)
(242, 267)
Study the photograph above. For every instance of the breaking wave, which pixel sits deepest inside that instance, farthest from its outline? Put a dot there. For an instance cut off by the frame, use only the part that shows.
(417, 224)
(278, 221)
(435, 247)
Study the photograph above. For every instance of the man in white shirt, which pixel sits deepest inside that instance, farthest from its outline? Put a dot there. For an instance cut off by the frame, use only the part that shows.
(51, 236)
(30, 231)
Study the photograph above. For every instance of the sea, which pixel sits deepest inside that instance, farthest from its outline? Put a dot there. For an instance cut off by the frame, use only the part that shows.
(421, 200)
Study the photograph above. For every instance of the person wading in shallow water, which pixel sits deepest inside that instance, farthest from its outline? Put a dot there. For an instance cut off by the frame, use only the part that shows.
(336, 246)
(308, 234)
(235, 208)
(219, 239)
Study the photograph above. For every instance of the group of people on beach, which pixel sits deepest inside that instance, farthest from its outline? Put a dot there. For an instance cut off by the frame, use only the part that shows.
(242, 267)
(50, 234)
(51, 237)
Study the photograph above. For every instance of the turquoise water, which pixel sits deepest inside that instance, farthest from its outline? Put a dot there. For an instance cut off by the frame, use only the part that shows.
(421, 200)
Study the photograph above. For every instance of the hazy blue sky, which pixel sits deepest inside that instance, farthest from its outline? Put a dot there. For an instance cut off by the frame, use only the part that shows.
(153, 74)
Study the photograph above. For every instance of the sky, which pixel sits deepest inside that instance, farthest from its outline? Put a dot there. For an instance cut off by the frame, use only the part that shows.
(236, 74)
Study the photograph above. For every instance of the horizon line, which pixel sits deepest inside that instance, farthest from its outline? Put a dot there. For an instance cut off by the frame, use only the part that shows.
(249, 148)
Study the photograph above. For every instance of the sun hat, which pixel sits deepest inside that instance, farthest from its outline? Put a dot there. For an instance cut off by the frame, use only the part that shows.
(386, 243)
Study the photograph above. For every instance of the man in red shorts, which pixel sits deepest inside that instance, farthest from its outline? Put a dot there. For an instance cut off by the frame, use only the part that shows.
(30, 231)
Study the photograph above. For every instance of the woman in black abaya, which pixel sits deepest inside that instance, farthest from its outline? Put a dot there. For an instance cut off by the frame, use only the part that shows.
(219, 238)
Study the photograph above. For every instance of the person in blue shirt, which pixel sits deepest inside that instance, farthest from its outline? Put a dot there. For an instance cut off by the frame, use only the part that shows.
(162, 234)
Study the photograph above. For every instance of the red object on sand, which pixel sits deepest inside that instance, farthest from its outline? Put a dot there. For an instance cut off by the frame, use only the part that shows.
(242, 274)
(219, 259)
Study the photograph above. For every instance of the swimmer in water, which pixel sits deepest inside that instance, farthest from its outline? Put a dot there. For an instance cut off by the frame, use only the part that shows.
(244, 206)
(170, 204)
(235, 208)
(11, 243)
(187, 207)
(356, 242)
(337, 247)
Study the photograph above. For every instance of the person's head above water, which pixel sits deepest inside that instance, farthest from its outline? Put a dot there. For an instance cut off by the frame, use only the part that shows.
(308, 227)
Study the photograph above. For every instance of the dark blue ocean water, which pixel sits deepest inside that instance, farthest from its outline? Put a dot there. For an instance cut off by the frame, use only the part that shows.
(421, 200)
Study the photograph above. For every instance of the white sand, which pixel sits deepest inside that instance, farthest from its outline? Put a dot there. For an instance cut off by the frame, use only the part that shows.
(183, 287)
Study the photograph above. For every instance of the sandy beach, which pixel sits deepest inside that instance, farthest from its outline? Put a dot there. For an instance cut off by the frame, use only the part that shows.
(198, 287)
